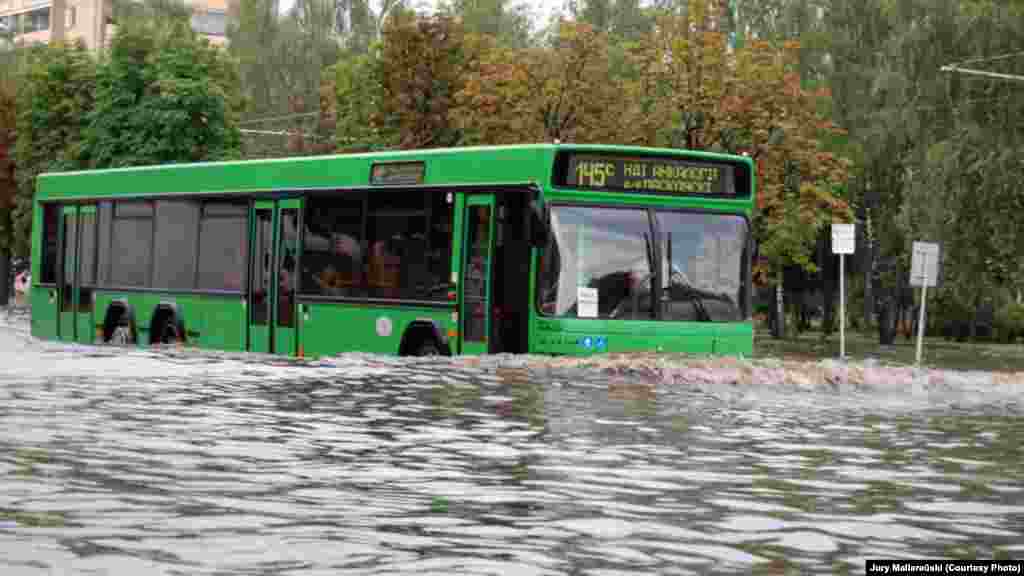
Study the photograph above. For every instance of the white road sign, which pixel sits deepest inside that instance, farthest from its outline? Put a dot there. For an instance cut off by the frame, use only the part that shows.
(924, 264)
(843, 238)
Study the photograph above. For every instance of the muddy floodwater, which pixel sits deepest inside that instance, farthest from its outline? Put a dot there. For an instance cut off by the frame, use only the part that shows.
(184, 462)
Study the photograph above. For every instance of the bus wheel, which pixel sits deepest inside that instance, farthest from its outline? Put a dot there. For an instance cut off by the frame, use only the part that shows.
(427, 347)
(121, 335)
(169, 333)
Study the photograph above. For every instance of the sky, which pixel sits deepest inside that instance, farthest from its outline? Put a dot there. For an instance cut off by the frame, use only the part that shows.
(540, 10)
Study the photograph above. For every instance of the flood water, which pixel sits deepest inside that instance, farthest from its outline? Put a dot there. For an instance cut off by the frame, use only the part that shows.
(143, 462)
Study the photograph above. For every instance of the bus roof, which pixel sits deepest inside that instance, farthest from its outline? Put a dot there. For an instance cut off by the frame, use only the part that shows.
(512, 164)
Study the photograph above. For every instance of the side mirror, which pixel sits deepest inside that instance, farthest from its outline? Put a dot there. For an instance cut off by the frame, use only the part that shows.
(539, 229)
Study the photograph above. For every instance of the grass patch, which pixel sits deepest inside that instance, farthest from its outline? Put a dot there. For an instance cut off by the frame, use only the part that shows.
(936, 353)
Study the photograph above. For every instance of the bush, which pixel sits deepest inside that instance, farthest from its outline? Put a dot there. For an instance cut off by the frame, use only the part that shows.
(1009, 323)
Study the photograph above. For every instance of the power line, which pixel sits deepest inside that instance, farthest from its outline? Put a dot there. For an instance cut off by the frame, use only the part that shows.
(984, 73)
(278, 133)
(277, 118)
(988, 59)
(936, 106)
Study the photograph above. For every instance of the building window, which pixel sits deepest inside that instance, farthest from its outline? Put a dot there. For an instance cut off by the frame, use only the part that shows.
(72, 17)
(36, 20)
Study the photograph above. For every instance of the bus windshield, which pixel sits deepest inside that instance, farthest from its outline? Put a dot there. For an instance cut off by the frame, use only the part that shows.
(600, 262)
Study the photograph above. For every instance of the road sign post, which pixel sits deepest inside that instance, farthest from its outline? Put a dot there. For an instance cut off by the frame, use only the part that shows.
(924, 272)
(843, 243)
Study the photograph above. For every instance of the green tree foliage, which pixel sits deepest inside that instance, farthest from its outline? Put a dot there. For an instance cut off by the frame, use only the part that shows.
(623, 19)
(421, 69)
(564, 91)
(508, 23)
(358, 91)
(10, 66)
(162, 95)
(937, 153)
(965, 143)
(281, 64)
(693, 93)
(55, 95)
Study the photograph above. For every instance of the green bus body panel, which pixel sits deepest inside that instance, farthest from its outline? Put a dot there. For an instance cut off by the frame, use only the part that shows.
(576, 337)
(448, 167)
(44, 312)
(329, 328)
(222, 322)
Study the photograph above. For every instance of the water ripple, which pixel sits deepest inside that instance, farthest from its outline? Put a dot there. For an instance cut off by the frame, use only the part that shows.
(174, 463)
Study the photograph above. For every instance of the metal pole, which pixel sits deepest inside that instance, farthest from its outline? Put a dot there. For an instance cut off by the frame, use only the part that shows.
(920, 318)
(842, 307)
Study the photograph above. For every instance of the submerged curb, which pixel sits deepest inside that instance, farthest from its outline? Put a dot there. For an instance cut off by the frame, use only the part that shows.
(761, 372)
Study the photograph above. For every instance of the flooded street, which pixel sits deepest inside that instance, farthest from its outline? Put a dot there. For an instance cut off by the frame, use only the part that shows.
(149, 462)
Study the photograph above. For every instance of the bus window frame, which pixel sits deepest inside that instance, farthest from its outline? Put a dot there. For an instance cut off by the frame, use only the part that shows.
(651, 212)
(251, 196)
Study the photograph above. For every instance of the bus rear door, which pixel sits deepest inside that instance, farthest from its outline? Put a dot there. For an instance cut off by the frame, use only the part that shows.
(477, 264)
(273, 261)
(76, 273)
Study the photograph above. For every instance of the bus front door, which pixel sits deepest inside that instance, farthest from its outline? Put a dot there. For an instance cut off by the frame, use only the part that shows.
(273, 265)
(76, 273)
(477, 261)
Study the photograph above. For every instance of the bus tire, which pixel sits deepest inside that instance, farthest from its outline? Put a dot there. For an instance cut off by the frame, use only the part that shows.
(167, 326)
(427, 347)
(119, 324)
(424, 338)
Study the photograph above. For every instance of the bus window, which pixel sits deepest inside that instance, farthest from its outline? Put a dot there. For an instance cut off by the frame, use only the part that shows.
(223, 246)
(332, 256)
(703, 259)
(410, 239)
(287, 253)
(51, 213)
(133, 237)
(602, 249)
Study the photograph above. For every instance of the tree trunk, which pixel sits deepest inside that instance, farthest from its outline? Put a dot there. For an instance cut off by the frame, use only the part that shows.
(869, 298)
(886, 319)
(973, 333)
(828, 288)
(5, 277)
(780, 311)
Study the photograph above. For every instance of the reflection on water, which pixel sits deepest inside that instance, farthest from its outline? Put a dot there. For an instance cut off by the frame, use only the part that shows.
(185, 465)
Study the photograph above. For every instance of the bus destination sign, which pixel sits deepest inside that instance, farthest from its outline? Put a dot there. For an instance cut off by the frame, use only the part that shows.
(650, 175)
(397, 173)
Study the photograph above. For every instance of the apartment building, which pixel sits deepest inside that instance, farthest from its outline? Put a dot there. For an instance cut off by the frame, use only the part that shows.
(35, 21)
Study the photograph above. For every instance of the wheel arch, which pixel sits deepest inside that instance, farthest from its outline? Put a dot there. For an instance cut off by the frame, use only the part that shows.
(417, 331)
(115, 310)
(161, 313)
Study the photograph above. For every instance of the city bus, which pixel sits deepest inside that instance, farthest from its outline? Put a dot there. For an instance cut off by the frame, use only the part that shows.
(545, 249)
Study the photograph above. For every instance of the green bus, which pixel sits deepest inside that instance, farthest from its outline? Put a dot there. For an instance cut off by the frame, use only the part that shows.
(546, 248)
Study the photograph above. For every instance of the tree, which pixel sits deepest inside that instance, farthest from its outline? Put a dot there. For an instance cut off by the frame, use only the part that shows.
(163, 94)
(420, 69)
(357, 94)
(54, 97)
(929, 146)
(281, 63)
(692, 92)
(10, 64)
(563, 92)
(508, 24)
(965, 154)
